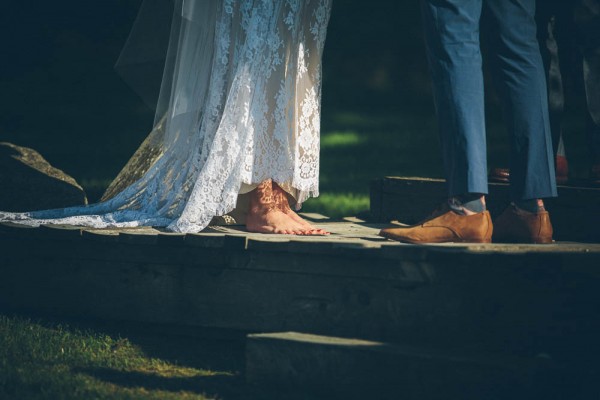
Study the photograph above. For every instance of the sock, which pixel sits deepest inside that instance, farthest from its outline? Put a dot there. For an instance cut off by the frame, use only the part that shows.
(467, 203)
(532, 205)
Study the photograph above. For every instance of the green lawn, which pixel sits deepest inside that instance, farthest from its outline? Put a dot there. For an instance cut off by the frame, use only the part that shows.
(49, 360)
(357, 147)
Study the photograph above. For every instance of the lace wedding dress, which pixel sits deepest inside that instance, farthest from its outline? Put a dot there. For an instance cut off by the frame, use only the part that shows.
(239, 104)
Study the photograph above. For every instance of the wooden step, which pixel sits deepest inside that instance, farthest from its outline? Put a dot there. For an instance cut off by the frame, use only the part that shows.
(499, 298)
(575, 213)
(350, 368)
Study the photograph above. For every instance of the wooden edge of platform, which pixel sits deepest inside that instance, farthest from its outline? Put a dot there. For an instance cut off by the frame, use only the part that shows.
(278, 244)
(11, 227)
(171, 238)
(60, 231)
(235, 242)
(344, 243)
(504, 360)
(312, 245)
(205, 240)
(138, 238)
(99, 235)
(337, 362)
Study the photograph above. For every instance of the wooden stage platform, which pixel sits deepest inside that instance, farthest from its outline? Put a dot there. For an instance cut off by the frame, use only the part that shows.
(445, 317)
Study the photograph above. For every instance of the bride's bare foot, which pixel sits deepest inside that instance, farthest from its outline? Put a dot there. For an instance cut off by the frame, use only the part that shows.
(282, 203)
(265, 216)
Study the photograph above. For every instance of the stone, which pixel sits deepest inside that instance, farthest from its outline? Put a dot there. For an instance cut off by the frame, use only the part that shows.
(30, 183)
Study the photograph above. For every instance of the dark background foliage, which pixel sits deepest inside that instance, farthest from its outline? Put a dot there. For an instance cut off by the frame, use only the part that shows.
(60, 95)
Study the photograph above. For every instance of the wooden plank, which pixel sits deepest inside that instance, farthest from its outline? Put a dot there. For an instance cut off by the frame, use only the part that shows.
(353, 230)
(234, 242)
(16, 230)
(352, 368)
(354, 220)
(331, 244)
(574, 213)
(497, 297)
(280, 244)
(110, 251)
(100, 235)
(314, 217)
(10, 226)
(138, 238)
(94, 289)
(402, 250)
(214, 296)
(59, 231)
(311, 245)
(205, 240)
(170, 239)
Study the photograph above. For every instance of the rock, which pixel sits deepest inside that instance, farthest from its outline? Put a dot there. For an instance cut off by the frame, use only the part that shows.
(28, 182)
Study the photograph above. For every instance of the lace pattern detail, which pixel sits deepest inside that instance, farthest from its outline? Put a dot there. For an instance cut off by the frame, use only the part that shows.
(244, 106)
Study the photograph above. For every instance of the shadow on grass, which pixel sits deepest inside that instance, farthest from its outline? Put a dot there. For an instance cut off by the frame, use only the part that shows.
(155, 351)
(195, 347)
(45, 357)
(219, 385)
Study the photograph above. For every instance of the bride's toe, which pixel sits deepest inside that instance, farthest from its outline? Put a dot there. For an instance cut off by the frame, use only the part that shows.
(319, 231)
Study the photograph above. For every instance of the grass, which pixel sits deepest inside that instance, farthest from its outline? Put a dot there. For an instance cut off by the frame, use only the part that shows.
(357, 147)
(41, 360)
(338, 205)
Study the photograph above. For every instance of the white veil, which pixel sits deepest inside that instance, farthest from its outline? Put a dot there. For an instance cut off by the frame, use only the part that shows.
(148, 62)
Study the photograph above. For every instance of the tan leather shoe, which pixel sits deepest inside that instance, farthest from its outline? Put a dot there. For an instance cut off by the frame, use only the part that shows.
(519, 226)
(444, 228)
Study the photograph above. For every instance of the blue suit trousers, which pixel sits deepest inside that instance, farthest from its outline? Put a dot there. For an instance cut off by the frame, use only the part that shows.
(452, 30)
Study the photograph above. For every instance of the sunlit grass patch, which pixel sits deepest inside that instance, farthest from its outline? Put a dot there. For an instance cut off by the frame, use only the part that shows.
(51, 362)
(341, 139)
(337, 205)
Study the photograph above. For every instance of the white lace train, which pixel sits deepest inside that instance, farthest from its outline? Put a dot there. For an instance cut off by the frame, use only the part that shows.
(239, 104)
